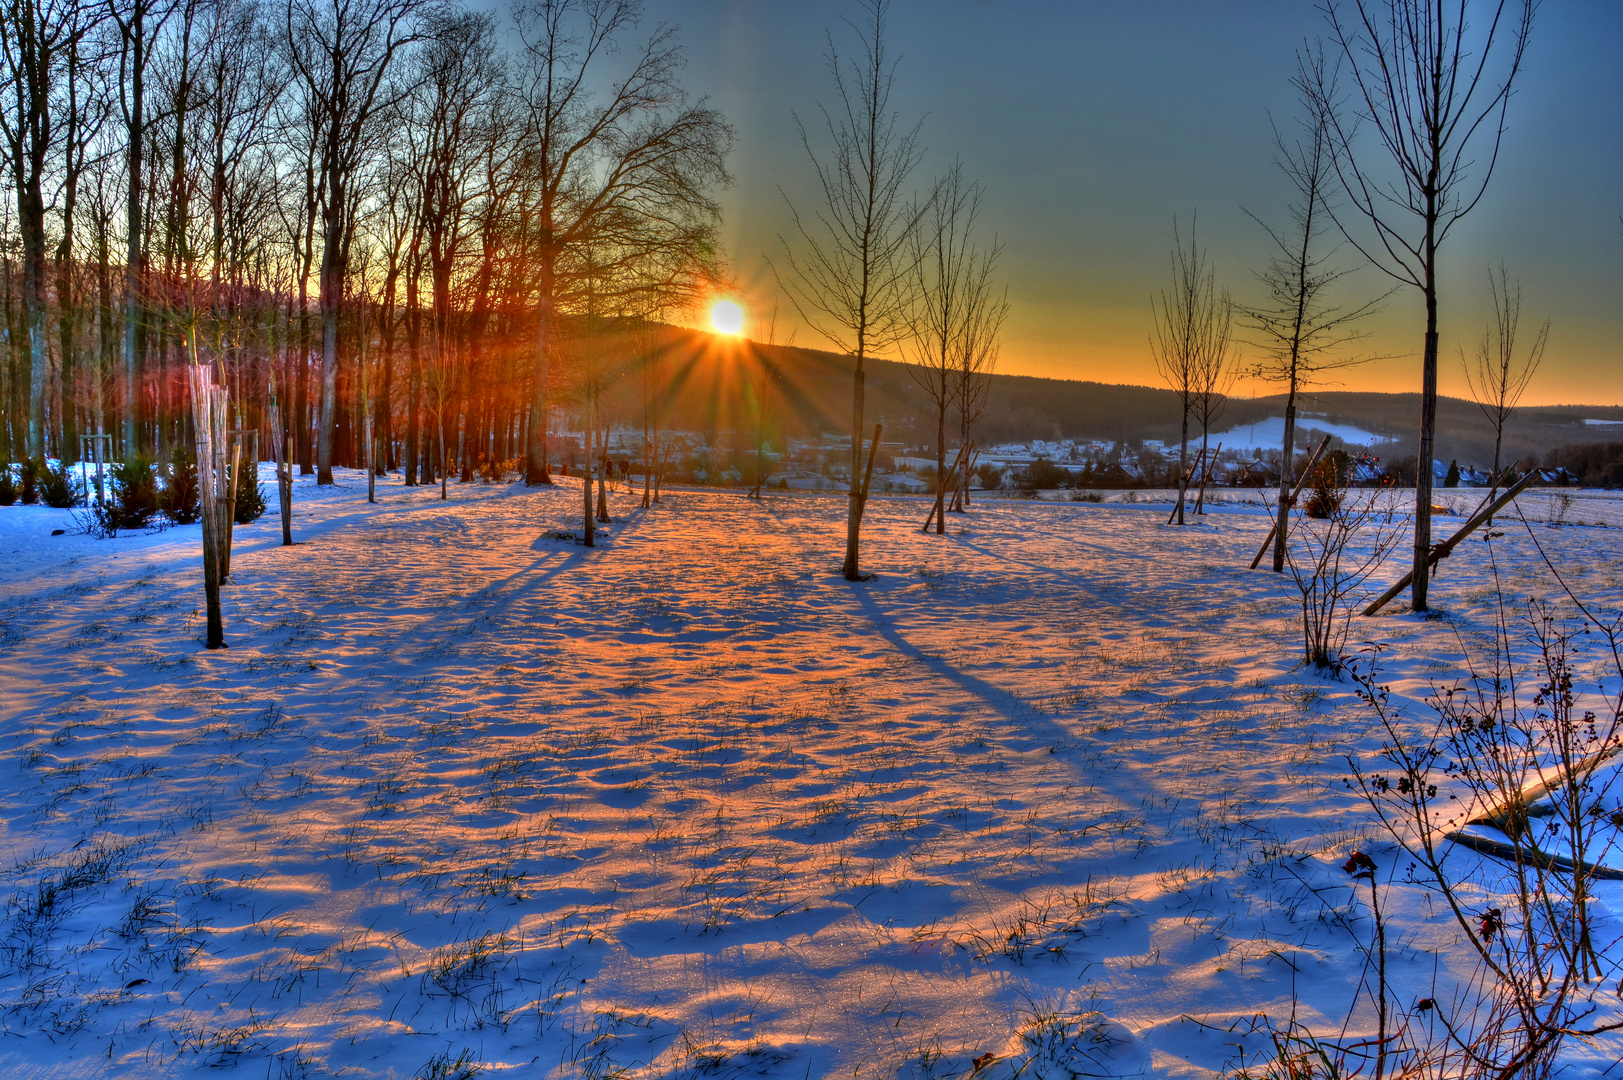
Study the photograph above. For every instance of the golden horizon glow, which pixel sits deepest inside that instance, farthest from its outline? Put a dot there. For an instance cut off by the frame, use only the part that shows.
(727, 316)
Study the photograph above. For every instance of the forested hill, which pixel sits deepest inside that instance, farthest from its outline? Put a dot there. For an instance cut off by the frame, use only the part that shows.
(814, 395)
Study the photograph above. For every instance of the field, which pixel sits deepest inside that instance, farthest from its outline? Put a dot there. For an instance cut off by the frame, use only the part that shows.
(463, 795)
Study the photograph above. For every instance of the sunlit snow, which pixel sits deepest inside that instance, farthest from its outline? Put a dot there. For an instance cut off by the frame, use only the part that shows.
(689, 802)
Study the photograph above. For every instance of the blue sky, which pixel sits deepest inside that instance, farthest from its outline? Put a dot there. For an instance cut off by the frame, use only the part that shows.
(1092, 125)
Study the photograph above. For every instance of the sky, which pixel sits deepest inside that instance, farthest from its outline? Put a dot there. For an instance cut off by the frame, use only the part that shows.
(1091, 125)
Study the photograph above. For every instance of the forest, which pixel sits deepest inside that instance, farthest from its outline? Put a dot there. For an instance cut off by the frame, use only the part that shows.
(399, 209)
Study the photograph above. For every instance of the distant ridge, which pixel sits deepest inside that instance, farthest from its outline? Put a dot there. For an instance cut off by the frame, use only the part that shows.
(816, 397)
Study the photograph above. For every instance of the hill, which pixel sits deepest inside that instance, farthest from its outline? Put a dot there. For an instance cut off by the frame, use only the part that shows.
(813, 394)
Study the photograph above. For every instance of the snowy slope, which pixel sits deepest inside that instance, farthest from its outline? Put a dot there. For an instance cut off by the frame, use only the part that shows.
(1269, 434)
(690, 803)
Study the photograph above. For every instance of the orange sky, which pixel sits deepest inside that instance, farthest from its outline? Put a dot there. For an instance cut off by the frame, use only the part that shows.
(1092, 125)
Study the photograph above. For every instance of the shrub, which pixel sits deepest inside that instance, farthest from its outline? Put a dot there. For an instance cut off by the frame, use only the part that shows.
(1542, 974)
(134, 501)
(8, 487)
(1325, 492)
(28, 471)
(1042, 473)
(492, 471)
(1328, 567)
(250, 494)
(180, 501)
(56, 486)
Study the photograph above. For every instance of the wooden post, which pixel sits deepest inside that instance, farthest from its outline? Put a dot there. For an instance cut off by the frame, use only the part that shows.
(950, 478)
(371, 472)
(281, 454)
(1301, 482)
(867, 475)
(208, 419)
(960, 494)
(1446, 548)
(228, 515)
(1183, 485)
(1206, 474)
(90, 452)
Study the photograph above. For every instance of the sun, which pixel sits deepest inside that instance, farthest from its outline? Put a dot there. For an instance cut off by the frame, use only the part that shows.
(727, 317)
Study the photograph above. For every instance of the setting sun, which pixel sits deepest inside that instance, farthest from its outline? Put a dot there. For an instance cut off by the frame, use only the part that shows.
(727, 317)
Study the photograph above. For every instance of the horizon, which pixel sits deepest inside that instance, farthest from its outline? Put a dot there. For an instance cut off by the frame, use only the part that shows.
(1088, 149)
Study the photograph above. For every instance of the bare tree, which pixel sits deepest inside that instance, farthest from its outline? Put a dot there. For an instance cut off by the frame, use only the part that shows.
(1299, 326)
(977, 355)
(950, 281)
(1191, 330)
(341, 52)
(766, 379)
(458, 87)
(850, 278)
(1500, 377)
(1428, 79)
(1215, 372)
(648, 340)
(139, 22)
(626, 169)
(37, 41)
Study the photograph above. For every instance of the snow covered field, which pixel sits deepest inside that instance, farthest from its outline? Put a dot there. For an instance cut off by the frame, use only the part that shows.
(1051, 788)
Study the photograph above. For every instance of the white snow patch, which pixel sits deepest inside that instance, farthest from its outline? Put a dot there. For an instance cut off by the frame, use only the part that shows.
(1269, 434)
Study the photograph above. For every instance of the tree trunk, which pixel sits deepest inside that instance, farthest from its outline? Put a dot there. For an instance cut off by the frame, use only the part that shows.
(587, 441)
(135, 137)
(1282, 524)
(535, 453)
(1428, 431)
(852, 568)
(414, 375)
(1183, 463)
(941, 467)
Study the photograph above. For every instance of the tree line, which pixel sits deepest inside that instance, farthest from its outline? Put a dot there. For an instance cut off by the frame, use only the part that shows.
(398, 208)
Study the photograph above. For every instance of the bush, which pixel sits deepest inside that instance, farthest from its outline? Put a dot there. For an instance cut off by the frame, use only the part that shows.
(56, 486)
(134, 501)
(29, 472)
(180, 501)
(1543, 973)
(1325, 492)
(8, 487)
(492, 471)
(250, 494)
(1042, 473)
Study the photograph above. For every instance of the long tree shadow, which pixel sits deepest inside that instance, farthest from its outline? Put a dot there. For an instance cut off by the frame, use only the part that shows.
(1016, 710)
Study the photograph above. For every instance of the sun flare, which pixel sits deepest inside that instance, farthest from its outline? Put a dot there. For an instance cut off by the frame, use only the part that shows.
(727, 317)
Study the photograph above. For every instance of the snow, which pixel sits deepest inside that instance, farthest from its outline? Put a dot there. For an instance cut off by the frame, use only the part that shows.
(1269, 434)
(689, 802)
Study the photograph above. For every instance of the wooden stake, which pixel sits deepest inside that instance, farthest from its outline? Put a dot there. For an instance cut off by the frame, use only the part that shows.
(282, 455)
(1268, 541)
(1183, 485)
(205, 402)
(1206, 474)
(950, 480)
(867, 475)
(1446, 548)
